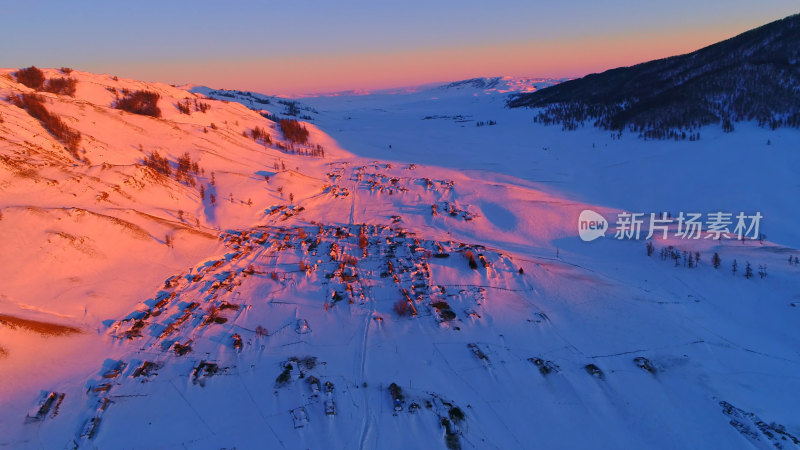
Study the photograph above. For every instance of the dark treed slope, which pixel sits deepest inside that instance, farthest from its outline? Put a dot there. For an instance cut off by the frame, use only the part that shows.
(753, 76)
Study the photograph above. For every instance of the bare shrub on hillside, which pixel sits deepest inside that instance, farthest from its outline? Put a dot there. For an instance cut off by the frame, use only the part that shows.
(201, 106)
(158, 163)
(140, 102)
(294, 131)
(259, 133)
(64, 86)
(31, 76)
(34, 104)
(187, 170)
(186, 106)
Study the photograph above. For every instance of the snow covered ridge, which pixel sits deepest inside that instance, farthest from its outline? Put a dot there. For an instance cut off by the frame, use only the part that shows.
(295, 107)
(750, 77)
(203, 277)
(282, 107)
(503, 85)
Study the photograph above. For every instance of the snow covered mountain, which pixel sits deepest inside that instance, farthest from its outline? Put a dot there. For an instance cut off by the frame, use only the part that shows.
(753, 77)
(502, 85)
(474, 86)
(407, 274)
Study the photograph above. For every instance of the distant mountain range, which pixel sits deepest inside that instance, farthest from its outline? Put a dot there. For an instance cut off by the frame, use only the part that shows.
(486, 85)
(502, 85)
(754, 76)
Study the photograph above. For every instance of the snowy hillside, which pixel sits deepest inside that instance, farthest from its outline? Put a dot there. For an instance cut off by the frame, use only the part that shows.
(753, 77)
(409, 277)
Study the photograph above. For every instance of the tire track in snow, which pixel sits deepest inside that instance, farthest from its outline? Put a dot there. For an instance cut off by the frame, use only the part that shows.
(367, 421)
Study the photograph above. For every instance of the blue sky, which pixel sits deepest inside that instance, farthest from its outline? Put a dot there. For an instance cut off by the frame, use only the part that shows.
(322, 45)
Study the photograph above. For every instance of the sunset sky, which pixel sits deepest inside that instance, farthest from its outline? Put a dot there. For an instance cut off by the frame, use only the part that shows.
(314, 46)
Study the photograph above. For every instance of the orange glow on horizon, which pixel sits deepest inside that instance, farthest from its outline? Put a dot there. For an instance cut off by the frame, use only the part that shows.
(340, 72)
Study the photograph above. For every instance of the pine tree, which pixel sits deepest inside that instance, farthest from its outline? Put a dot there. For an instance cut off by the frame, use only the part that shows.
(716, 261)
(650, 248)
(735, 266)
(748, 271)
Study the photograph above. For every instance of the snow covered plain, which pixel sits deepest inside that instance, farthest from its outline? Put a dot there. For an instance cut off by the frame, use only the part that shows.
(293, 277)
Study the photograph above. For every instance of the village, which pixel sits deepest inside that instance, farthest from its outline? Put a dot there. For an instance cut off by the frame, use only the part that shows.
(206, 321)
